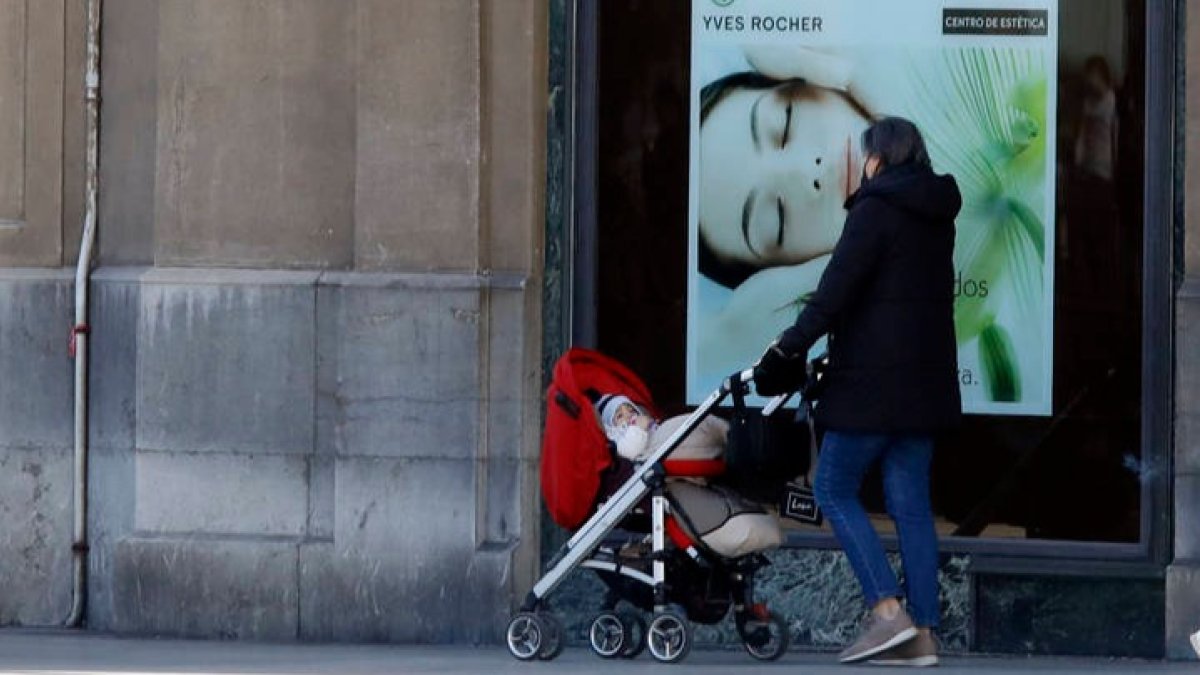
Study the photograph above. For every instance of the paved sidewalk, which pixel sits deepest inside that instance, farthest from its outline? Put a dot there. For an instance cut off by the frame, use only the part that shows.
(77, 653)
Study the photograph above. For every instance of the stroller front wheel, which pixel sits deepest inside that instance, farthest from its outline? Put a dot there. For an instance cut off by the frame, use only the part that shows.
(553, 643)
(669, 637)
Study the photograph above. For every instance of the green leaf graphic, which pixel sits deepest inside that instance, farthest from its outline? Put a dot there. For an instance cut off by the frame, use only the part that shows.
(999, 364)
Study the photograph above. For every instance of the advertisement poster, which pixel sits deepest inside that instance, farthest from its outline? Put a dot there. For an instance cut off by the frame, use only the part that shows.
(781, 92)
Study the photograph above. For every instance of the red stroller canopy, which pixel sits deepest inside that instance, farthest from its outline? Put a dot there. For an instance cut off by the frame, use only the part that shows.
(575, 451)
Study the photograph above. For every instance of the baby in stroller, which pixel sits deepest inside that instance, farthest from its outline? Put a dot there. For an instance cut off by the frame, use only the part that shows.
(729, 524)
(691, 546)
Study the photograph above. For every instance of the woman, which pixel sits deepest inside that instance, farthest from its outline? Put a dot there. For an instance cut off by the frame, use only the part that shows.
(886, 301)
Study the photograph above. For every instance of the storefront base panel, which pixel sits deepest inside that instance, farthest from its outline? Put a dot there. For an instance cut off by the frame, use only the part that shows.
(1183, 608)
(1084, 617)
(815, 589)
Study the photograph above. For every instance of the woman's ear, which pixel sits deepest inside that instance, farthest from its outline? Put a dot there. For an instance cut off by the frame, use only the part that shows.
(872, 166)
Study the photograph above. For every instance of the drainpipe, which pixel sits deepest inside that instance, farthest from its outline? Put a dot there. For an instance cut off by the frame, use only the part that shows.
(79, 332)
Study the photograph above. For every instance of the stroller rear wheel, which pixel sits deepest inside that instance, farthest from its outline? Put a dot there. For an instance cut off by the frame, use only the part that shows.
(608, 635)
(554, 642)
(526, 635)
(765, 636)
(669, 637)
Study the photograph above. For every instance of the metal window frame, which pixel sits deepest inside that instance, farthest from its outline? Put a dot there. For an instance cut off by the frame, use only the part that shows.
(1146, 558)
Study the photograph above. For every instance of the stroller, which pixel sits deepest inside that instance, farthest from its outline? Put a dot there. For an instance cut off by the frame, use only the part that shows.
(673, 574)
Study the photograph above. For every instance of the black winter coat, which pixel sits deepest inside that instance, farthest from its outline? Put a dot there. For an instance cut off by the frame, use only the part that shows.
(887, 302)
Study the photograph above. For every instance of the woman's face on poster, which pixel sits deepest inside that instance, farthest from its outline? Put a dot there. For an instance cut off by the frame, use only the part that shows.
(776, 167)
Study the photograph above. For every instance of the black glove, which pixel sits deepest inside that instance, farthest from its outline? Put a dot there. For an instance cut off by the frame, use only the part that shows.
(779, 372)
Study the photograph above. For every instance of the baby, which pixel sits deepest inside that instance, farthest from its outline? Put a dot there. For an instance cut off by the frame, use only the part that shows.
(727, 523)
(637, 434)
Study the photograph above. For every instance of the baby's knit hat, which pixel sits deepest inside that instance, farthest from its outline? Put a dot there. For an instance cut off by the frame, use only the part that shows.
(607, 407)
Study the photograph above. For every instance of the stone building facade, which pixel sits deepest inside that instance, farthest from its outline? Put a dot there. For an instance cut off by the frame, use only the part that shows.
(335, 257)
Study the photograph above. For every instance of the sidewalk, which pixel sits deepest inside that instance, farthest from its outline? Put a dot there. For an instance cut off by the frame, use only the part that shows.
(76, 653)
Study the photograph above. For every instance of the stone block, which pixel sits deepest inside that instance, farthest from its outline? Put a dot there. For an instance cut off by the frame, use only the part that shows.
(509, 376)
(1069, 616)
(514, 129)
(256, 133)
(36, 375)
(404, 566)
(31, 149)
(206, 588)
(398, 370)
(225, 361)
(502, 510)
(1187, 377)
(112, 357)
(1183, 608)
(357, 596)
(128, 133)
(111, 508)
(417, 199)
(12, 111)
(388, 505)
(1187, 516)
(321, 496)
(35, 535)
(216, 493)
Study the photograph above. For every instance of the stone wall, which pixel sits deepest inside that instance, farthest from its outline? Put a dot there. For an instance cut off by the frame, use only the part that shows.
(1183, 575)
(315, 324)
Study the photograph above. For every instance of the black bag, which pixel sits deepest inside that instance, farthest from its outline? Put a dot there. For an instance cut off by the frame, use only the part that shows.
(761, 453)
(799, 502)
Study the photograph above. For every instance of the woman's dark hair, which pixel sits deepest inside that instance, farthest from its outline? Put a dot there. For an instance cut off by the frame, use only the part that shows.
(896, 142)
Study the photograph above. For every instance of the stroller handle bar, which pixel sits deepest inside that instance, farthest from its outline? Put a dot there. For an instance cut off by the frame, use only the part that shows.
(775, 403)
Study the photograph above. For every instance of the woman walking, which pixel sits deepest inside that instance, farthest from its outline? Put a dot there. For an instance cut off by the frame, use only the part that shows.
(886, 302)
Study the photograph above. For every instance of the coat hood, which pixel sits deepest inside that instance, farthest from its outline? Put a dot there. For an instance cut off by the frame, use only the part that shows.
(916, 189)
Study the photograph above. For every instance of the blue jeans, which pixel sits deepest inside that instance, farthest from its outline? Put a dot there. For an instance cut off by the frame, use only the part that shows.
(845, 458)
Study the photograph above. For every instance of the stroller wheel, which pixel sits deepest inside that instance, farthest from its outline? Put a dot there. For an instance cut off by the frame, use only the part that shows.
(766, 638)
(553, 643)
(669, 637)
(608, 635)
(635, 635)
(526, 636)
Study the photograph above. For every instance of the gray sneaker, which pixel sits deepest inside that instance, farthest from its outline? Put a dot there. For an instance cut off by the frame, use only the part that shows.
(880, 635)
(920, 651)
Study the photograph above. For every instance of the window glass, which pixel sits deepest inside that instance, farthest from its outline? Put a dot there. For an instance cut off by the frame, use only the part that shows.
(1073, 475)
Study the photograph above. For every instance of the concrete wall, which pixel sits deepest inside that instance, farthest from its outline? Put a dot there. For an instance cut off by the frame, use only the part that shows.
(316, 323)
(1183, 576)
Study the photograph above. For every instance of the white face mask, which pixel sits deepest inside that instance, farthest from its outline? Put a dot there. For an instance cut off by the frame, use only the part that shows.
(632, 443)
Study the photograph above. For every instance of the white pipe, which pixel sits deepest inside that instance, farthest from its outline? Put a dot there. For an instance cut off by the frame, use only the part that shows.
(79, 331)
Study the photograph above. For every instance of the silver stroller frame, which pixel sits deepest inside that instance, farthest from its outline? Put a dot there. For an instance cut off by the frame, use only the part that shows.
(534, 633)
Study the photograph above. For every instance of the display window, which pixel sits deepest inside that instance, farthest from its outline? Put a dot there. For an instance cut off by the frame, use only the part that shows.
(722, 148)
